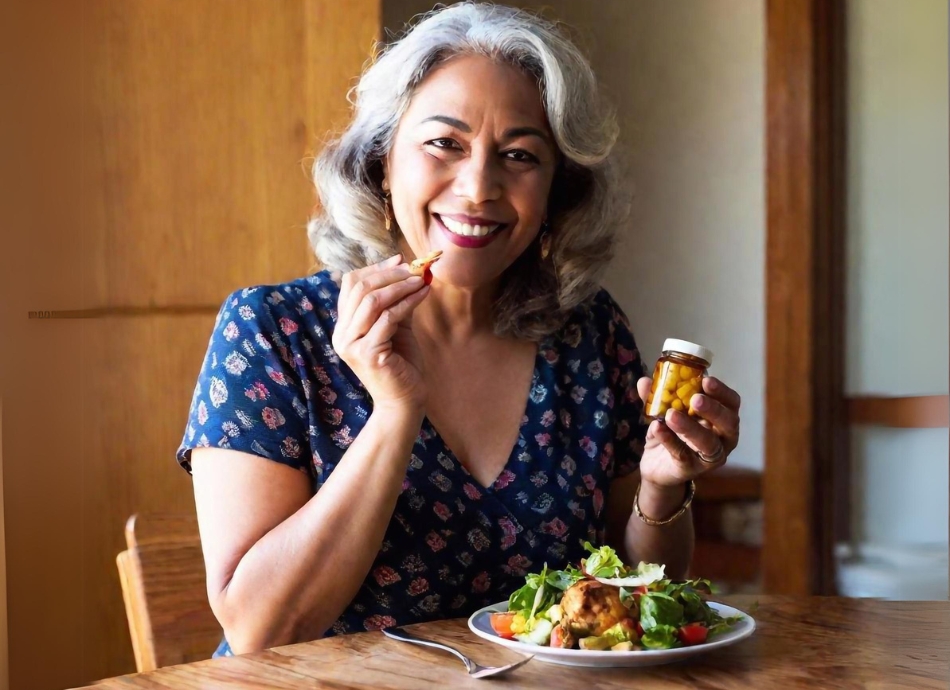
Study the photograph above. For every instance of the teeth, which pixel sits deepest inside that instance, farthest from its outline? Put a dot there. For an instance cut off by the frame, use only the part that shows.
(469, 230)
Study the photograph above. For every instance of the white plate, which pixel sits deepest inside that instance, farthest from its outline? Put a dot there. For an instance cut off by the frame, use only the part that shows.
(480, 625)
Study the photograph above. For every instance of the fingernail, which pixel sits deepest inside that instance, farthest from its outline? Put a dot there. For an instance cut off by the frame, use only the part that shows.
(698, 402)
(414, 280)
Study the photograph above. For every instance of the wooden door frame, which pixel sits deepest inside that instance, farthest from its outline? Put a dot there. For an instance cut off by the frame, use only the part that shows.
(806, 477)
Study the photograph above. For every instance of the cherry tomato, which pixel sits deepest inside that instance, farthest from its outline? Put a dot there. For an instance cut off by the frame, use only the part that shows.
(501, 624)
(694, 633)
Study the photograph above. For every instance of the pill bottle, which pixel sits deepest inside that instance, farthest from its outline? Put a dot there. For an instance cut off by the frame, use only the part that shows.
(677, 377)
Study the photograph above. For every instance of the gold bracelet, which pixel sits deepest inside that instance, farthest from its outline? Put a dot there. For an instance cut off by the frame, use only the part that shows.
(690, 492)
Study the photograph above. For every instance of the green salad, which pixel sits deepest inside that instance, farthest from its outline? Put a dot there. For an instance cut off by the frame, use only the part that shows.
(606, 605)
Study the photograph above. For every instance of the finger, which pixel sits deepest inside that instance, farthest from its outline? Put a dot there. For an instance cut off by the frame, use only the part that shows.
(654, 431)
(643, 387)
(377, 341)
(723, 419)
(376, 302)
(366, 285)
(721, 392)
(353, 278)
(693, 434)
(681, 454)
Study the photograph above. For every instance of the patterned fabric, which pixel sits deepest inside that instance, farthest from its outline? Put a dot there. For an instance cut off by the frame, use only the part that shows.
(271, 385)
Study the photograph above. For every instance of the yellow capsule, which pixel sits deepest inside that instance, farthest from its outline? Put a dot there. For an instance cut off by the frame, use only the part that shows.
(678, 405)
(686, 372)
(667, 397)
(670, 383)
(685, 392)
(672, 369)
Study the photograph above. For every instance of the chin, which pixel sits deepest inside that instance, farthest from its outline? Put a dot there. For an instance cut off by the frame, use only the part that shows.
(469, 278)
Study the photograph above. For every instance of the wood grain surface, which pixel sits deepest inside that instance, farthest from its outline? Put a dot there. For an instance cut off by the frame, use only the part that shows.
(800, 642)
(913, 412)
(163, 585)
(170, 164)
(805, 414)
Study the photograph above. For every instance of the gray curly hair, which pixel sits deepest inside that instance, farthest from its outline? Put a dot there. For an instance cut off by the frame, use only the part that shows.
(536, 295)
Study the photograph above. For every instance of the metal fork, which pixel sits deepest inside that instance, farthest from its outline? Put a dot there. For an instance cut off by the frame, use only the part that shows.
(474, 670)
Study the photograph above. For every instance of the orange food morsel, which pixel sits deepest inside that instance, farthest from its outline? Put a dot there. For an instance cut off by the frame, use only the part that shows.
(419, 266)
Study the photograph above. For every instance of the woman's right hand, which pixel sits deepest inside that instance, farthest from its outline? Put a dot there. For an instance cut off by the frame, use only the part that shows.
(373, 335)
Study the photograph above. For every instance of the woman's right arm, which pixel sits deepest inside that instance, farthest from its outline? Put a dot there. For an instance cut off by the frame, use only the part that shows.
(282, 564)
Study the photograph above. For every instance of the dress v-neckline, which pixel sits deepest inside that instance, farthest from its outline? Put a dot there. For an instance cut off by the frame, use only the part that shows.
(519, 441)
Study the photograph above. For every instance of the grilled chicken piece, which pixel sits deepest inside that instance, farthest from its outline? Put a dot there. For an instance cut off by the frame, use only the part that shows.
(590, 608)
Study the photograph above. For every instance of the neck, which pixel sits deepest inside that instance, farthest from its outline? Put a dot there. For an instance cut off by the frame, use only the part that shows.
(452, 315)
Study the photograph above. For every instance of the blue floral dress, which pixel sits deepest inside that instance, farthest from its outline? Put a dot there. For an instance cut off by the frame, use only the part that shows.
(272, 385)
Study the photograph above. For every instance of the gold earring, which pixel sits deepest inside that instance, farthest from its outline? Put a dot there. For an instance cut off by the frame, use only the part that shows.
(388, 214)
(545, 245)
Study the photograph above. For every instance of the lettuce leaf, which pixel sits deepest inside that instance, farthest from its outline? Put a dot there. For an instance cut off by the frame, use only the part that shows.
(660, 637)
(645, 574)
(541, 591)
(563, 579)
(603, 562)
(658, 609)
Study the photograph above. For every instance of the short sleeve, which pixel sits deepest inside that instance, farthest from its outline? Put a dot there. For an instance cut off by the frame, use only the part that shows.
(626, 368)
(248, 396)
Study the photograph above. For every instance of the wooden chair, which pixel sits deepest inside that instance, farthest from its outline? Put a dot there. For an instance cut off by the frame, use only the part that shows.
(729, 565)
(163, 584)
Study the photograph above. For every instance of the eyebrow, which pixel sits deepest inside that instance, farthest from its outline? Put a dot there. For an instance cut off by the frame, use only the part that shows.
(512, 133)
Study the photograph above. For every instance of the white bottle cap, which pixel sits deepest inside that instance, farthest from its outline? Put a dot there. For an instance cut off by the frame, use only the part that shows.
(688, 348)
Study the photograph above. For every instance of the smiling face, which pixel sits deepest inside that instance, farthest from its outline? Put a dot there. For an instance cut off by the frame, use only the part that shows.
(471, 168)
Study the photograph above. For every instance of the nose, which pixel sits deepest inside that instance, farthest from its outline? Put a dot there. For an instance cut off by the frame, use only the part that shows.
(478, 179)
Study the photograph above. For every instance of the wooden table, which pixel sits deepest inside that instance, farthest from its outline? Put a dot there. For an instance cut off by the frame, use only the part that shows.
(799, 643)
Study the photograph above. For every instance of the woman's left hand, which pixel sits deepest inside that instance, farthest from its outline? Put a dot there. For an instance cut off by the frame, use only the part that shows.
(685, 447)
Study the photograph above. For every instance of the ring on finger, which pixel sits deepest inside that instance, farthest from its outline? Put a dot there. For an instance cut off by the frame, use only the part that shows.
(715, 458)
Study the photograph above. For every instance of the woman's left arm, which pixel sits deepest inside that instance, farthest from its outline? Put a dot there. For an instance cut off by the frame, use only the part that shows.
(676, 451)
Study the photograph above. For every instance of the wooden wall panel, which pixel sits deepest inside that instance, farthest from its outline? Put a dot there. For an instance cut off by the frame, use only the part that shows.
(184, 182)
(4, 647)
(806, 416)
(247, 93)
(195, 131)
(135, 411)
(118, 403)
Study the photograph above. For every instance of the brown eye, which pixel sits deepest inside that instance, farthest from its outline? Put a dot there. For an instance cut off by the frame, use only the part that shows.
(443, 143)
(521, 156)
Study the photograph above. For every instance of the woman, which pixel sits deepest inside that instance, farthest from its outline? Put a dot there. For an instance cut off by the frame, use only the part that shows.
(369, 449)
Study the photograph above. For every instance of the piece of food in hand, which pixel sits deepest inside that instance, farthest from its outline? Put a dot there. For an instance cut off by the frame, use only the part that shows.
(591, 608)
(421, 265)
